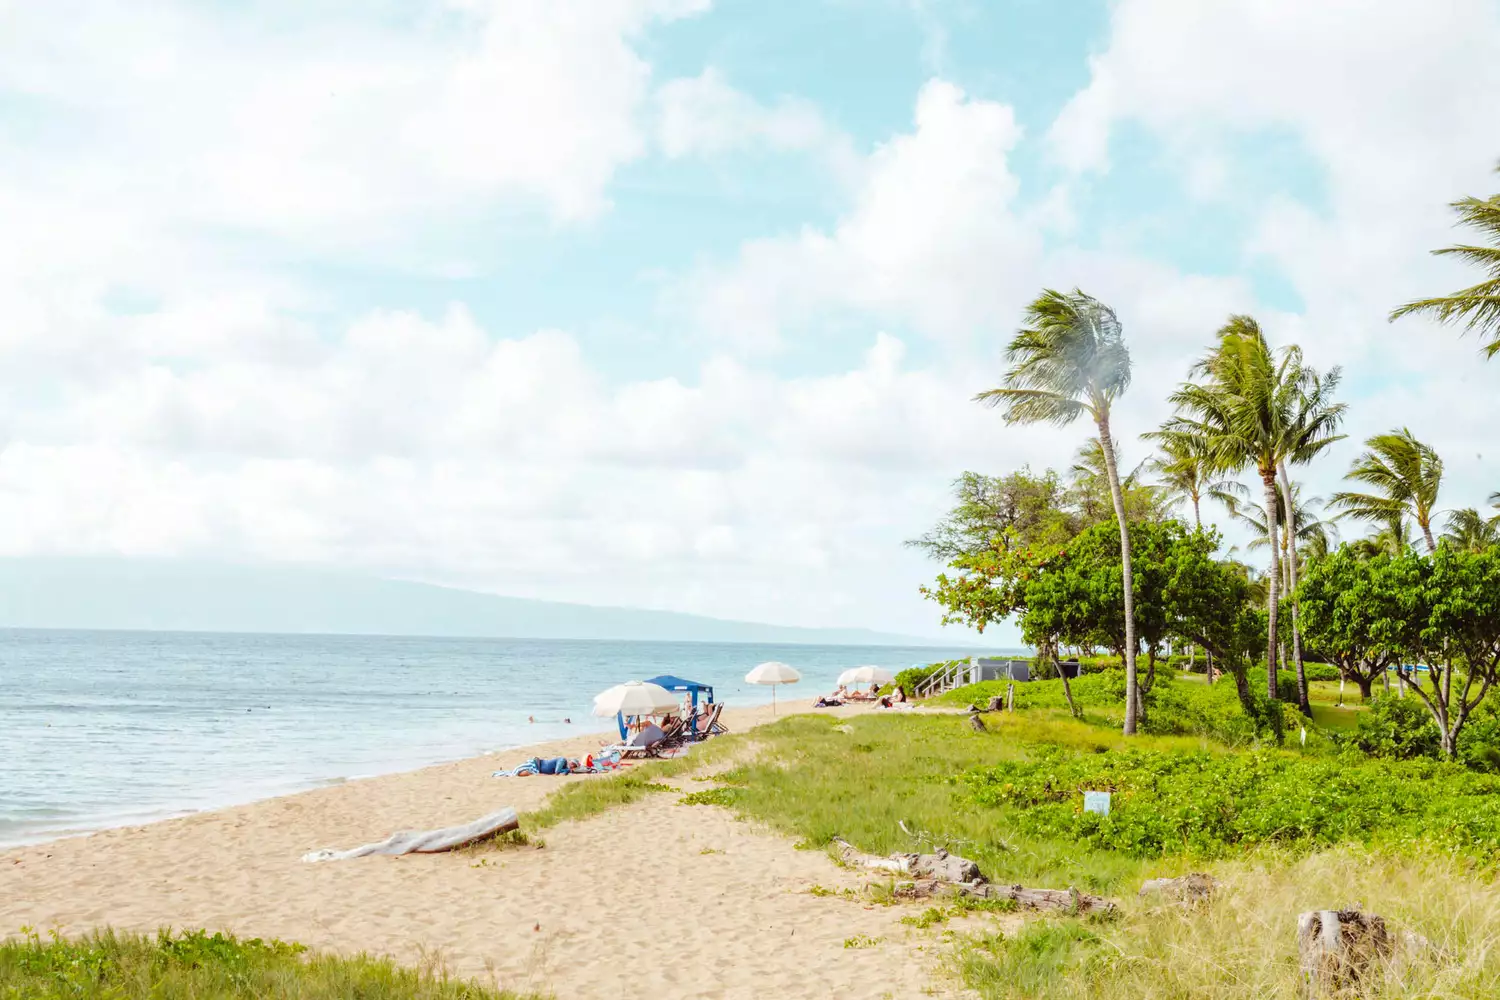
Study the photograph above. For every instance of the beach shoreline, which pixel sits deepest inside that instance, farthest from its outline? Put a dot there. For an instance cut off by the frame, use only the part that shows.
(565, 746)
(606, 893)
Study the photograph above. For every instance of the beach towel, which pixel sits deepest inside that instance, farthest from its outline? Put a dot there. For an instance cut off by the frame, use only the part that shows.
(521, 770)
(427, 841)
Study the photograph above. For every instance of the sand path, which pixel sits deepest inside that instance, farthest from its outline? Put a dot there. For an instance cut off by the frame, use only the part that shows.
(652, 900)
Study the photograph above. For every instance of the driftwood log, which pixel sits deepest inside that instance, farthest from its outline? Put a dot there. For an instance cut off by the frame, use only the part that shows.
(944, 874)
(1061, 900)
(1186, 889)
(941, 866)
(1339, 948)
(977, 724)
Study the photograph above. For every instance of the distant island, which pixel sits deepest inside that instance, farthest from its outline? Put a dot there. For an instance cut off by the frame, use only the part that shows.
(169, 595)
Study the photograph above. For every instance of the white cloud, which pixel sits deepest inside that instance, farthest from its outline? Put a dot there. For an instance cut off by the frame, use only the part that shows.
(426, 447)
(704, 115)
(927, 243)
(1381, 96)
(326, 125)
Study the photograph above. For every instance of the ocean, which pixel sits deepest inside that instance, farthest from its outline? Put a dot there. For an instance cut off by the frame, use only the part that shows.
(101, 729)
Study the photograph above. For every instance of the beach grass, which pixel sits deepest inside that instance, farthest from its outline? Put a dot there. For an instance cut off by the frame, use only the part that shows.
(886, 782)
(817, 777)
(1243, 946)
(197, 965)
(582, 799)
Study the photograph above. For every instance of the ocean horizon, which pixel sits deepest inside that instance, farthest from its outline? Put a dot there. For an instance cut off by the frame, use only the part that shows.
(110, 728)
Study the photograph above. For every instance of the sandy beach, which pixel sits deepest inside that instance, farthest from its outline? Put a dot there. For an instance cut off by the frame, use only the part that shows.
(649, 900)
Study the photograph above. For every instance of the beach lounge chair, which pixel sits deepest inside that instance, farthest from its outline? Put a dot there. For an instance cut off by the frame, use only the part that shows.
(670, 737)
(709, 724)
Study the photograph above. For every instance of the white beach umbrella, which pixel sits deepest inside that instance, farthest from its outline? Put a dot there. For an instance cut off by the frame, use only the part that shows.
(866, 675)
(775, 674)
(635, 698)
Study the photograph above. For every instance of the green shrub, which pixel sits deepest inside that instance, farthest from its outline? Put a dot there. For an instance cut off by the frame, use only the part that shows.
(1104, 689)
(1479, 740)
(1320, 672)
(909, 679)
(1207, 804)
(1212, 711)
(201, 966)
(1396, 729)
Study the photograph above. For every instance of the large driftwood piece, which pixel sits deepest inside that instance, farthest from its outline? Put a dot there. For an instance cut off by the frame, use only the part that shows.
(1186, 889)
(1061, 900)
(428, 841)
(977, 724)
(944, 874)
(1339, 948)
(942, 865)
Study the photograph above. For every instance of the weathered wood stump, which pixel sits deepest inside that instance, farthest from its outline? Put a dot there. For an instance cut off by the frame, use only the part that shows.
(977, 724)
(997, 704)
(1338, 949)
(1185, 889)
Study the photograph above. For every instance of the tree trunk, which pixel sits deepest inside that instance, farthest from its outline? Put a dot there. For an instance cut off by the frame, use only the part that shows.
(1208, 664)
(1427, 534)
(1118, 495)
(1365, 682)
(1291, 575)
(1197, 516)
(1273, 582)
(1067, 687)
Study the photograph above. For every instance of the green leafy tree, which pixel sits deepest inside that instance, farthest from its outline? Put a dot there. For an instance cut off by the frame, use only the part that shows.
(1069, 358)
(1477, 307)
(1352, 612)
(1075, 597)
(1406, 476)
(1262, 409)
(1019, 508)
(1453, 623)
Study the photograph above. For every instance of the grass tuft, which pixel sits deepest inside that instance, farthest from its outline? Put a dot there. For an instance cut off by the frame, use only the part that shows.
(197, 965)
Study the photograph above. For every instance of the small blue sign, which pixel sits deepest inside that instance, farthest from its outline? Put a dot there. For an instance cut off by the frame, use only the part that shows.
(1096, 802)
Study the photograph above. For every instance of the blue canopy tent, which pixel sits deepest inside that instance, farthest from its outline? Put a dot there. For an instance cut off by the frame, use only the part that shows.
(693, 688)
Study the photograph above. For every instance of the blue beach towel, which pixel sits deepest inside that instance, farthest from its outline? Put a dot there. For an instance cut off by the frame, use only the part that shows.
(520, 770)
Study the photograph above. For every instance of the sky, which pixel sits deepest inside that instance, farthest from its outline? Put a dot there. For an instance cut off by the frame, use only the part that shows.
(681, 304)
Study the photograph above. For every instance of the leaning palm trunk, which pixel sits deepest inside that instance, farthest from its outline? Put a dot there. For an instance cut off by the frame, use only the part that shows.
(1132, 695)
(1273, 583)
(1291, 578)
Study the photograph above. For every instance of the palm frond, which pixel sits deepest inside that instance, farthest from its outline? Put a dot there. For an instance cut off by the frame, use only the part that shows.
(1068, 357)
(1476, 308)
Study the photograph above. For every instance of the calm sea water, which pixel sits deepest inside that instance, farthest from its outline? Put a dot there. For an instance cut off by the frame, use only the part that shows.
(107, 728)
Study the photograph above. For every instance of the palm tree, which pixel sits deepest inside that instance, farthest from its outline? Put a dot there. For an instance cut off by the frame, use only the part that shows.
(1257, 408)
(1406, 475)
(1393, 539)
(1070, 358)
(1187, 474)
(1478, 306)
(1317, 535)
(1472, 531)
